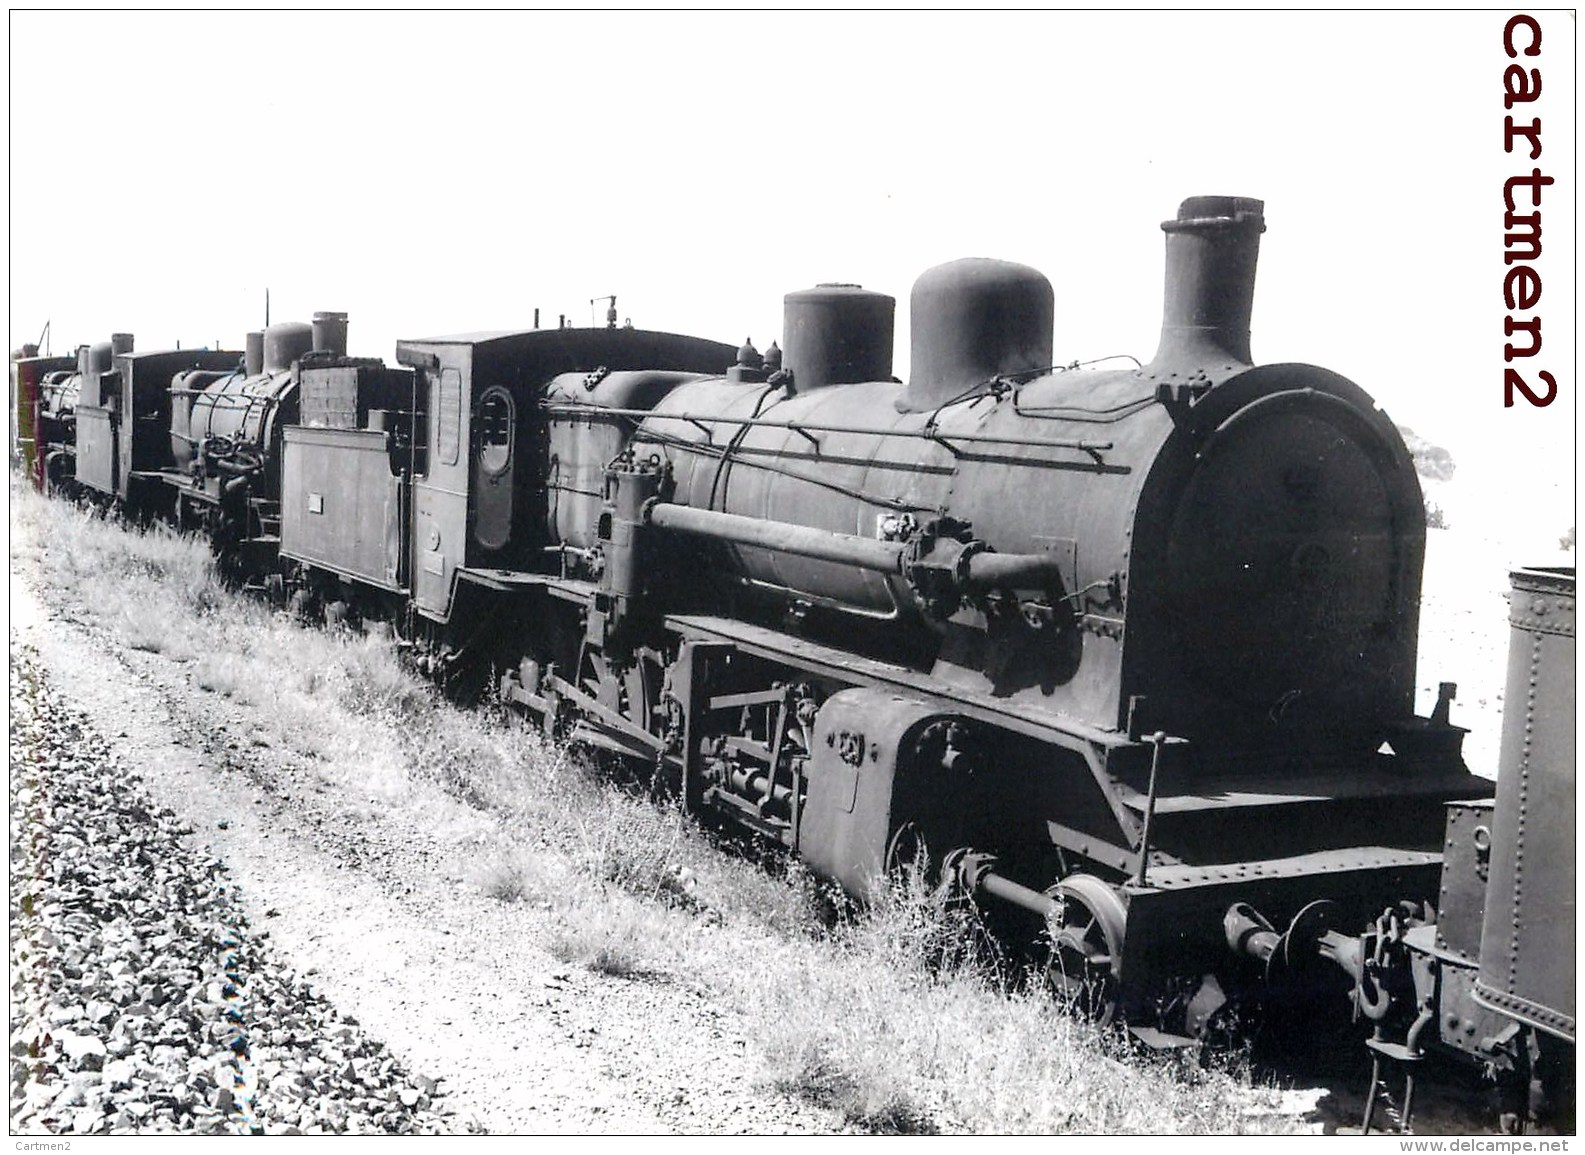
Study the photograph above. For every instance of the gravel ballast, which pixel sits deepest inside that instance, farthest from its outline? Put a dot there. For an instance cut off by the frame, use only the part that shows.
(142, 1001)
(371, 884)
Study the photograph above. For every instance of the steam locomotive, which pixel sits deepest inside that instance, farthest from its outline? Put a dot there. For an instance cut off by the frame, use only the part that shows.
(1126, 652)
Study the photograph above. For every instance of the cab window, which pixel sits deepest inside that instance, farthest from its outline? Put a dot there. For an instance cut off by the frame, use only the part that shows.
(495, 432)
(449, 417)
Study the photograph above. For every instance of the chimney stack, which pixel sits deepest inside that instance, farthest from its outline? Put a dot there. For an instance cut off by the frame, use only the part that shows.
(253, 354)
(1212, 248)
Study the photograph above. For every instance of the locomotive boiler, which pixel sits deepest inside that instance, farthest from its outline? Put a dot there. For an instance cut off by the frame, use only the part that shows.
(999, 522)
(1128, 652)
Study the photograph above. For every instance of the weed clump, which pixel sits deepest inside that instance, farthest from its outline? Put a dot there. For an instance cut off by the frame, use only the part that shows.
(503, 881)
(864, 1103)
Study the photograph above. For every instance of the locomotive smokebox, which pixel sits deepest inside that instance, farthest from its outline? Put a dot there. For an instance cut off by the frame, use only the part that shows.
(284, 343)
(1212, 248)
(253, 355)
(972, 320)
(837, 335)
(330, 333)
(120, 343)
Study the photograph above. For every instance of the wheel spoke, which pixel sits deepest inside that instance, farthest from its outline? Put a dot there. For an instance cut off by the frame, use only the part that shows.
(1085, 962)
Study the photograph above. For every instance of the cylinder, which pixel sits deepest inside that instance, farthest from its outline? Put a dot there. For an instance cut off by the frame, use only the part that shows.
(120, 343)
(253, 357)
(837, 335)
(330, 333)
(971, 321)
(284, 343)
(1212, 248)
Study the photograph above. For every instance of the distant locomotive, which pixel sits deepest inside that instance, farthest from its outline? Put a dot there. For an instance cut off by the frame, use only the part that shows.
(1129, 653)
(227, 426)
(34, 435)
(48, 393)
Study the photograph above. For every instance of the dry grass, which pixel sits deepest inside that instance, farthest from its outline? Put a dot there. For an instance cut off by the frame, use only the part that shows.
(900, 1024)
(891, 1018)
(605, 936)
(503, 880)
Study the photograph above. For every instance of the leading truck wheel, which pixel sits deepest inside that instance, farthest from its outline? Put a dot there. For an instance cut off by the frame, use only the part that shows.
(1086, 963)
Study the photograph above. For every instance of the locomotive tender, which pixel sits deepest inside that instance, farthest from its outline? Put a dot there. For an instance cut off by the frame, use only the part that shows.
(1127, 652)
(1486, 971)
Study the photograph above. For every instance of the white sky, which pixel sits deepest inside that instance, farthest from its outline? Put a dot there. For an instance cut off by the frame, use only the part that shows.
(432, 173)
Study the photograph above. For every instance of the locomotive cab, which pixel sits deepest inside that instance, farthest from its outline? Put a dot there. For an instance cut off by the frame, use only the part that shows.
(490, 502)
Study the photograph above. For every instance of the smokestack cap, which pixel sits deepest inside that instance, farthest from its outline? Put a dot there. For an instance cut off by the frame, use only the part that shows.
(1217, 212)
